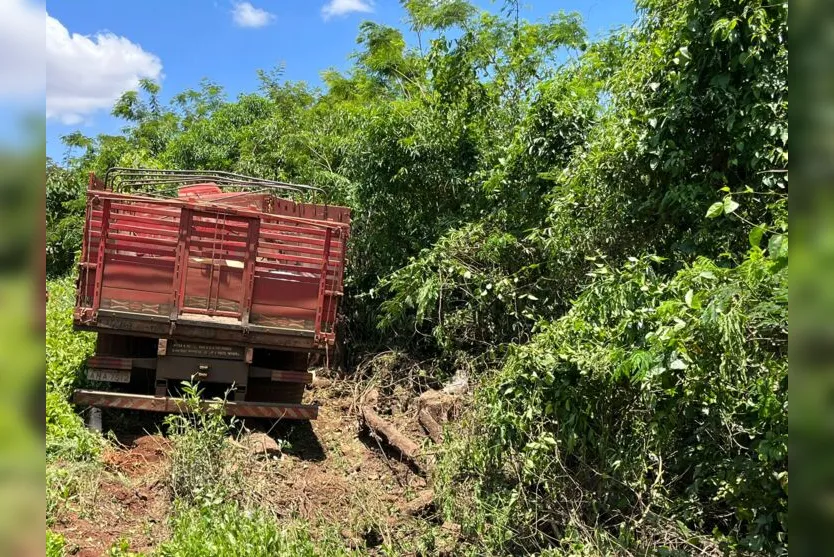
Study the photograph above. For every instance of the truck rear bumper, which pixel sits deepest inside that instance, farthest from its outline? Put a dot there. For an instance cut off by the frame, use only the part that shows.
(149, 403)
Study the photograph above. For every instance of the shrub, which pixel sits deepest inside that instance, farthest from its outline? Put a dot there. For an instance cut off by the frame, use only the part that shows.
(198, 466)
(55, 544)
(654, 406)
(121, 548)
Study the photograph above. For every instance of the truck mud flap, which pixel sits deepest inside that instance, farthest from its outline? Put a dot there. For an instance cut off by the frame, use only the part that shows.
(150, 403)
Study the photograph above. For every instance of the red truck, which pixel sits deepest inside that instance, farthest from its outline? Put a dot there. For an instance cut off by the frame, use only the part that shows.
(212, 277)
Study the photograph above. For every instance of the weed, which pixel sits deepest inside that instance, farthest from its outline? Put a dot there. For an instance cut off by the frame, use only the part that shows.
(121, 548)
(579, 437)
(66, 352)
(67, 483)
(228, 529)
(199, 471)
(55, 544)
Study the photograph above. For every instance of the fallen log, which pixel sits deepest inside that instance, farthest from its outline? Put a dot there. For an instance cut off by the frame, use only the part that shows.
(393, 436)
(420, 504)
(430, 425)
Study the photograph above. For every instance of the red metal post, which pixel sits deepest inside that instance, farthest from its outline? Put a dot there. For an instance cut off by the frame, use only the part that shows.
(102, 246)
(85, 248)
(82, 284)
(323, 282)
(249, 271)
(181, 262)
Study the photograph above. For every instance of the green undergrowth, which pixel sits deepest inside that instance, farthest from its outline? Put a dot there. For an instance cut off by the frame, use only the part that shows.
(72, 464)
(507, 179)
(55, 544)
(66, 352)
(201, 463)
(227, 529)
(215, 511)
(655, 408)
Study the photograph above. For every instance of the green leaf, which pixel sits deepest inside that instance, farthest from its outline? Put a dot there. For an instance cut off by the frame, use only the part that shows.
(777, 246)
(755, 236)
(688, 297)
(729, 205)
(715, 209)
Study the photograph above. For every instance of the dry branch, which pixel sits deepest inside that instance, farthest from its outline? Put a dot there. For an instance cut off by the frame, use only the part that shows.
(430, 425)
(420, 504)
(393, 436)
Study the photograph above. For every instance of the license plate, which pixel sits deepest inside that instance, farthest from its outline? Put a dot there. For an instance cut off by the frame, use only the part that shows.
(108, 375)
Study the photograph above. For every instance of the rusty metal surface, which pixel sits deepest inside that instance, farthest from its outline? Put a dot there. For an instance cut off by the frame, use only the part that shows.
(219, 272)
(110, 362)
(149, 403)
(181, 259)
(291, 376)
(160, 327)
(155, 180)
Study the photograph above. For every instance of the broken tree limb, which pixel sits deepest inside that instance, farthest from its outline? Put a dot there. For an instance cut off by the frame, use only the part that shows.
(393, 436)
(420, 504)
(430, 425)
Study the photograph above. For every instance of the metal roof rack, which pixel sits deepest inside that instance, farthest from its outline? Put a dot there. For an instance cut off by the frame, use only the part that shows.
(123, 178)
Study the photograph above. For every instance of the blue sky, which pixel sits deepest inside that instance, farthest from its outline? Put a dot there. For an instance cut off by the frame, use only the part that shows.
(95, 48)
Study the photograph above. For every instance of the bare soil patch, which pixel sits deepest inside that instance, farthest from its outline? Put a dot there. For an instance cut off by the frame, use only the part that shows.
(332, 472)
(142, 458)
(129, 501)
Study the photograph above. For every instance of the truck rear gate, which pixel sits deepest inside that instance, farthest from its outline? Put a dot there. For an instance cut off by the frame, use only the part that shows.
(226, 287)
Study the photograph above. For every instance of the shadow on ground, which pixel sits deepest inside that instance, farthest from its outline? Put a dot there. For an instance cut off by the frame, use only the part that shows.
(296, 438)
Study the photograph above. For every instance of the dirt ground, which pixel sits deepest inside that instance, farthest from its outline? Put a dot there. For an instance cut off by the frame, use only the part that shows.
(330, 471)
(128, 500)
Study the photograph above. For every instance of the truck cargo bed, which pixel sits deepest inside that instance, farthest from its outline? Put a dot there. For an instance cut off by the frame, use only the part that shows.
(147, 261)
(207, 276)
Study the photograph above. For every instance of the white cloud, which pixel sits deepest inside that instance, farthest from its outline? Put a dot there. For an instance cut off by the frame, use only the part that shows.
(21, 42)
(85, 74)
(344, 7)
(245, 14)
